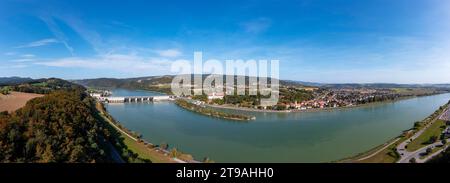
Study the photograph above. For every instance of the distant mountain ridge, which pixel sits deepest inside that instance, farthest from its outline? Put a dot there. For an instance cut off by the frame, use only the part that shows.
(41, 86)
(167, 79)
(13, 80)
(367, 85)
(150, 80)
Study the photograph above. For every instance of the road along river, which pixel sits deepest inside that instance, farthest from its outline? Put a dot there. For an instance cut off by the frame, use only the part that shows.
(273, 137)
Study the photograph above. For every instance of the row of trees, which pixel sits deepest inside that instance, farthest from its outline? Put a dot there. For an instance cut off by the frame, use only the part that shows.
(290, 95)
(211, 112)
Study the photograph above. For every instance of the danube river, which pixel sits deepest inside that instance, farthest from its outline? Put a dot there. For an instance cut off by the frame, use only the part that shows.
(273, 137)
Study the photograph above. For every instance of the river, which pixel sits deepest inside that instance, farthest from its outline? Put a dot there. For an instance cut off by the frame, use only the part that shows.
(273, 137)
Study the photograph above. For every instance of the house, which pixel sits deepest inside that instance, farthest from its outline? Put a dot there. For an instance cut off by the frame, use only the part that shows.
(96, 95)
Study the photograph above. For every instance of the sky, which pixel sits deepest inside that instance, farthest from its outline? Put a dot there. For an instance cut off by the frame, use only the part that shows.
(328, 41)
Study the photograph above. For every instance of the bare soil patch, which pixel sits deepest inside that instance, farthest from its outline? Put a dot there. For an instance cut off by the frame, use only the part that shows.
(15, 100)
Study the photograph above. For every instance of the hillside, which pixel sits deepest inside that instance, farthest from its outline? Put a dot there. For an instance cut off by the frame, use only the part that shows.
(155, 83)
(45, 86)
(59, 127)
(13, 80)
(158, 81)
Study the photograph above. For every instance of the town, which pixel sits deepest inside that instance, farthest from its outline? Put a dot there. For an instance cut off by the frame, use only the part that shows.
(291, 98)
(313, 98)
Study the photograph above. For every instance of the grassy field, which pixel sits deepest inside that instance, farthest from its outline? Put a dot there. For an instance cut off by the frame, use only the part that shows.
(145, 152)
(42, 84)
(387, 155)
(434, 130)
(414, 91)
(15, 100)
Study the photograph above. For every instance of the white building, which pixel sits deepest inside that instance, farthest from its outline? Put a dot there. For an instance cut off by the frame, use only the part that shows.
(96, 95)
(215, 96)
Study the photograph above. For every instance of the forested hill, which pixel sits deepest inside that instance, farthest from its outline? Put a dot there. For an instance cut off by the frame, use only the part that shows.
(161, 83)
(59, 127)
(45, 86)
(155, 83)
(13, 80)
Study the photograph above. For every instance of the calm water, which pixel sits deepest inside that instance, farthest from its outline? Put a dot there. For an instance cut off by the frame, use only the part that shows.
(274, 137)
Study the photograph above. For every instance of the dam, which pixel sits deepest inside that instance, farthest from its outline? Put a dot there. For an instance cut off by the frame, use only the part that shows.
(135, 99)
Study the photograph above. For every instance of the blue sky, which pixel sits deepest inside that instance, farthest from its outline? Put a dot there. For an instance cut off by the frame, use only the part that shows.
(401, 41)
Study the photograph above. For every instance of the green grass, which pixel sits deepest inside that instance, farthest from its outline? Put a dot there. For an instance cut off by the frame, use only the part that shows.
(143, 151)
(43, 84)
(387, 155)
(139, 148)
(434, 130)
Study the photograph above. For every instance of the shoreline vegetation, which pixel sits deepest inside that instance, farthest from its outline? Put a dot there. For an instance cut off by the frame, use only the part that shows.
(144, 149)
(387, 152)
(204, 110)
(237, 108)
(326, 109)
(123, 145)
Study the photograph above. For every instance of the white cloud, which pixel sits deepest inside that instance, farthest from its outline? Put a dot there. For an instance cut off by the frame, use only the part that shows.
(54, 28)
(256, 26)
(15, 66)
(169, 53)
(19, 66)
(130, 63)
(23, 60)
(27, 56)
(38, 43)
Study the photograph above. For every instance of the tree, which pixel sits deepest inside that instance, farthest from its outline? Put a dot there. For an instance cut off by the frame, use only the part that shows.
(202, 97)
(218, 101)
(417, 125)
(432, 139)
(429, 150)
(412, 160)
(174, 153)
(5, 90)
(59, 127)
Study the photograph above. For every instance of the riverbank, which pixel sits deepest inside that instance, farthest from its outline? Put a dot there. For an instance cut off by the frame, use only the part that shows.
(142, 148)
(410, 140)
(210, 112)
(384, 153)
